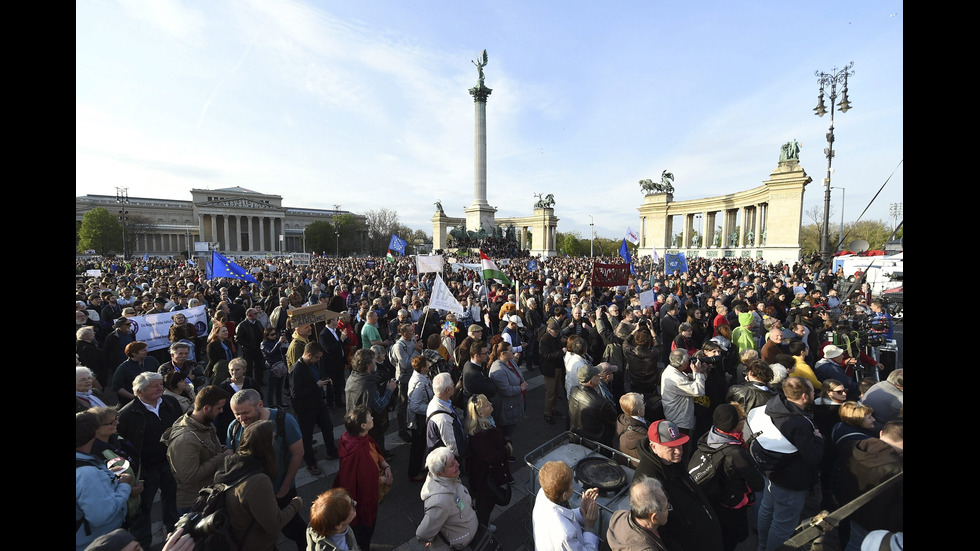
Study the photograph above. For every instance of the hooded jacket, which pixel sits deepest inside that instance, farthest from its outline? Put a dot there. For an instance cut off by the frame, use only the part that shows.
(693, 524)
(195, 454)
(624, 534)
(799, 470)
(254, 513)
(863, 466)
(448, 510)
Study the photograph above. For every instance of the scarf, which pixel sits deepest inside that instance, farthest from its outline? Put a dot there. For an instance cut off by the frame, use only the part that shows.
(92, 399)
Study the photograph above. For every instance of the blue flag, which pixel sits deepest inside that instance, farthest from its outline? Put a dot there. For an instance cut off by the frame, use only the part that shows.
(676, 261)
(397, 244)
(146, 256)
(207, 272)
(532, 265)
(223, 267)
(191, 262)
(624, 252)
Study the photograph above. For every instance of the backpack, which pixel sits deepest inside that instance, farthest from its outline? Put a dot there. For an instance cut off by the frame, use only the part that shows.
(433, 439)
(767, 445)
(708, 470)
(209, 517)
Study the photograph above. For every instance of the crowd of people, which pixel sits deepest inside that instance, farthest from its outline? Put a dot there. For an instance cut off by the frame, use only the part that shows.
(669, 369)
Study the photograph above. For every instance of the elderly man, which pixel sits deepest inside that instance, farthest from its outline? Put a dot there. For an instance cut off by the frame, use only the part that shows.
(402, 352)
(143, 422)
(680, 383)
(193, 449)
(180, 361)
(639, 528)
(773, 345)
(694, 525)
(590, 414)
(462, 353)
(443, 425)
(833, 366)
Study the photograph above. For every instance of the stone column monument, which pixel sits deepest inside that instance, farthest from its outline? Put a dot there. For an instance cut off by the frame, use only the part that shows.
(480, 214)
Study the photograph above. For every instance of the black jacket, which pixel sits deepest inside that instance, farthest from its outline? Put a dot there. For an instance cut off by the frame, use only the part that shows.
(476, 381)
(551, 355)
(693, 525)
(591, 415)
(799, 470)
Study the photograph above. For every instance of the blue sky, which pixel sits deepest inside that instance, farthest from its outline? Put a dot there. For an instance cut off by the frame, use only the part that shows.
(365, 104)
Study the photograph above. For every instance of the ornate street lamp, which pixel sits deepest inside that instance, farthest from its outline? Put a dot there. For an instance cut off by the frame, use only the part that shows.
(830, 80)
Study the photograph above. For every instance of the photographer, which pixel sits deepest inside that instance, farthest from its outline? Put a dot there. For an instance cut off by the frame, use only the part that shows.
(680, 383)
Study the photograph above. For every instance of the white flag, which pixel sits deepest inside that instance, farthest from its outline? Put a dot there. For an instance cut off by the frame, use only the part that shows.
(656, 258)
(632, 236)
(442, 298)
(427, 264)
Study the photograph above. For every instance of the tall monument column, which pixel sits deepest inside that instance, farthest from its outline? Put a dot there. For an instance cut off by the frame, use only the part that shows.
(480, 214)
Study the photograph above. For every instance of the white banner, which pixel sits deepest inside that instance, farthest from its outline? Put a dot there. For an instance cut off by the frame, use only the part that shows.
(426, 264)
(443, 299)
(154, 329)
(647, 298)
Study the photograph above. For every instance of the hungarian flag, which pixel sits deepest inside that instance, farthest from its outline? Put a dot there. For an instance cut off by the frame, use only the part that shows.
(491, 271)
(390, 258)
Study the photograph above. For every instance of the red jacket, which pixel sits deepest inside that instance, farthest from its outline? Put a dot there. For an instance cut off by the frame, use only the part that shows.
(360, 475)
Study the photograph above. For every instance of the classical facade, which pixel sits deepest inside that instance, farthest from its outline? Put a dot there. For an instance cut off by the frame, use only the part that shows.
(234, 221)
(763, 222)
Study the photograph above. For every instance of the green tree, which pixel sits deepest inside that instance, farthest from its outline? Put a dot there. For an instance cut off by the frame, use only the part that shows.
(350, 228)
(320, 237)
(570, 243)
(100, 231)
(381, 224)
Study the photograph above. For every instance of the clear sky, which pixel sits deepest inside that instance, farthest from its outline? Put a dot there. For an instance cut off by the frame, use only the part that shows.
(365, 104)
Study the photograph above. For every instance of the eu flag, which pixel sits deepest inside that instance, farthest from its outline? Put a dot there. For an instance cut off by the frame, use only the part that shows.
(223, 267)
(397, 244)
(624, 252)
(532, 265)
(673, 262)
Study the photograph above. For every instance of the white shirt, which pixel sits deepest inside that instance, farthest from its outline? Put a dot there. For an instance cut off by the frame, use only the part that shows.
(558, 528)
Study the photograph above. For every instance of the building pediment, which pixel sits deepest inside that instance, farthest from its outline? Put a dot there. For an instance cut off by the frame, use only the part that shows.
(239, 203)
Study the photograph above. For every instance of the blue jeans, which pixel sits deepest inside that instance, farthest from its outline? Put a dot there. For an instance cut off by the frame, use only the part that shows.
(779, 515)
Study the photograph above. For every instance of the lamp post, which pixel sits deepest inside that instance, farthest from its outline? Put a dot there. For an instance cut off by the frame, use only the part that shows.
(830, 80)
(895, 209)
(840, 239)
(122, 197)
(591, 237)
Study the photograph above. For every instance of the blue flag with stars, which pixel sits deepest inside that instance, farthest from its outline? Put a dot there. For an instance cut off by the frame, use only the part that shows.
(624, 252)
(532, 265)
(673, 262)
(397, 244)
(223, 267)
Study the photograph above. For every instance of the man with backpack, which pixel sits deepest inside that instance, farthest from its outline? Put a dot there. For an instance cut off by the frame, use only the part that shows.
(193, 449)
(793, 472)
(247, 406)
(727, 474)
(401, 354)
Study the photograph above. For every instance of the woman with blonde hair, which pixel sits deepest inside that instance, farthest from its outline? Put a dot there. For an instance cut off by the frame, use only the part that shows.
(489, 450)
(857, 422)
